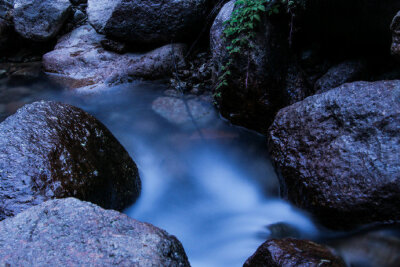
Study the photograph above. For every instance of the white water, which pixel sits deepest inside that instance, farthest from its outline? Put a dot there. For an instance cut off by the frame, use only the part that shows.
(216, 194)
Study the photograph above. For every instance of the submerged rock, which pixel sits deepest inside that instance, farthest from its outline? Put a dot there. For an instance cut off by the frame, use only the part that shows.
(378, 248)
(147, 22)
(40, 20)
(52, 150)
(69, 232)
(179, 111)
(396, 35)
(293, 252)
(79, 60)
(339, 153)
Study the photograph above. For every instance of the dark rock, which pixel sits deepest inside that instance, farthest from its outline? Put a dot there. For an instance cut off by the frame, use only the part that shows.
(79, 17)
(338, 153)
(69, 232)
(6, 25)
(255, 87)
(40, 20)
(80, 61)
(395, 27)
(297, 85)
(292, 252)
(6, 32)
(378, 248)
(78, 2)
(114, 46)
(6, 9)
(51, 150)
(147, 22)
(348, 71)
(363, 28)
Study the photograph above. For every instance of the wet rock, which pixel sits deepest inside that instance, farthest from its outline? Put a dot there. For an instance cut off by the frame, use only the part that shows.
(114, 46)
(52, 150)
(5, 33)
(348, 71)
(147, 22)
(40, 20)
(254, 88)
(293, 252)
(80, 61)
(69, 232)
(6, 9)
(176, 110)
(395, 27)
(6, 24)
(338, 153)
(378, 248)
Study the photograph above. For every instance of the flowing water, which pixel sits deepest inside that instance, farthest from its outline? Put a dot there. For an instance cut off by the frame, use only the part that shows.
(207, 182)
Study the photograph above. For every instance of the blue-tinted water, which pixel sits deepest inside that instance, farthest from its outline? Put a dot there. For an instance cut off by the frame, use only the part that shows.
(208, 183)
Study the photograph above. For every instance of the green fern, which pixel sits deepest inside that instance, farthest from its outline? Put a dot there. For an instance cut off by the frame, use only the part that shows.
(240, 29)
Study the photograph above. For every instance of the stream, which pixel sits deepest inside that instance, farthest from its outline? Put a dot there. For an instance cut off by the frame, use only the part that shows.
(207, 182)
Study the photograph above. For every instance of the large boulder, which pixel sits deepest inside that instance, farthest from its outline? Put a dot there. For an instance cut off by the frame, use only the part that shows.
(339, 155)
(69, 232)
(253, 92)
(6, 24)
(293, 252)
(396, 35)
(80, 61)
(147, 22)
(52, 150)
(40, 20)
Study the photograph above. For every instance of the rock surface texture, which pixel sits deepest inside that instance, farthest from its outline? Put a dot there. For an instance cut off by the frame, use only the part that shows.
(147, 22)
(51, 150)
(69, 232)
(339, 153)
(6, 24)
(254, 91)
(79, 61)
(292, 252)
(396, 35)
(348, 71)
(40, 20)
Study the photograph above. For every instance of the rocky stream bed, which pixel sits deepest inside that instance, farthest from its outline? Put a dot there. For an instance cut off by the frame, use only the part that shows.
(119, 147)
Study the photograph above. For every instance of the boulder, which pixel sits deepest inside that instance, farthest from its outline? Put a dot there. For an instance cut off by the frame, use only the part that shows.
(338, 153)
(254, 88)
(347, 71)
(6, 24)
(6, 10)
(395, 27)
(293, 252)
(80, 61)
(69, 232)
(147, 22)
(52, 150)
(40, 20)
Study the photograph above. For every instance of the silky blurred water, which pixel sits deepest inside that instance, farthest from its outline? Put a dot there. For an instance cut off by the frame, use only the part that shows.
(207, 182)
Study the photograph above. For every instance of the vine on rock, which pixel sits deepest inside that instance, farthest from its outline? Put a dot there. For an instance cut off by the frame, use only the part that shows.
(240, 30)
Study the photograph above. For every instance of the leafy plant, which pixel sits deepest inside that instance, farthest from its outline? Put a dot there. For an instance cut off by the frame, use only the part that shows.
(240, 29)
